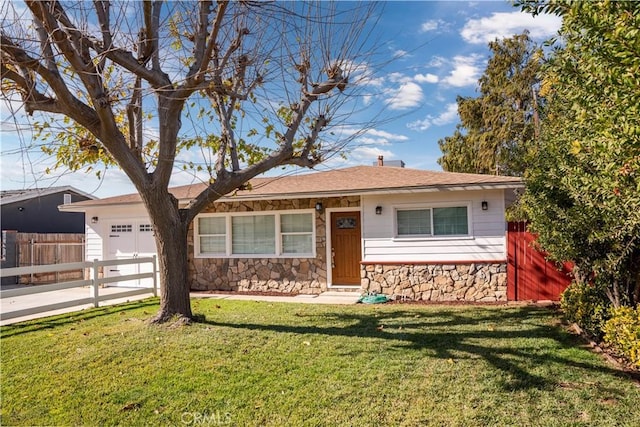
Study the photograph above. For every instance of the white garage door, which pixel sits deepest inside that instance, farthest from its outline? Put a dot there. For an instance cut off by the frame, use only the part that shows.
(127, 240)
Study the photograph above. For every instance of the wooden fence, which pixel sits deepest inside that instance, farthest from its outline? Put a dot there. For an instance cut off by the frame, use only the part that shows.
(34, 249)
(530, 276)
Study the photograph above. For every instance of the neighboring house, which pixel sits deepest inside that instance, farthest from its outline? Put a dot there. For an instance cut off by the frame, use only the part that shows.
(36, 210)
(411, 233)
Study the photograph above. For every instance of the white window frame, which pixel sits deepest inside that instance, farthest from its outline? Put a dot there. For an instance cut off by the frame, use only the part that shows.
(197, 235)
(278, 235)
(431, 206)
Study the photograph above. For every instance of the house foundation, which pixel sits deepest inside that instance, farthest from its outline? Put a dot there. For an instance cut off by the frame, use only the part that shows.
(476, 282)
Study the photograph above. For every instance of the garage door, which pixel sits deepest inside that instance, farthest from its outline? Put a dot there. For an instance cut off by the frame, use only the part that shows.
(127, 240)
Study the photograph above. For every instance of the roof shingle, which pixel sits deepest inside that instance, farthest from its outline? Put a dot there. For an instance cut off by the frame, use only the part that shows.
(353, 180)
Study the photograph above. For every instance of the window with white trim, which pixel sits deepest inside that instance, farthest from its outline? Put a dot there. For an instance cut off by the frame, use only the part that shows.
(296, 232)
(212, 235)
(271, 234)
(435, 221)
(253, 235)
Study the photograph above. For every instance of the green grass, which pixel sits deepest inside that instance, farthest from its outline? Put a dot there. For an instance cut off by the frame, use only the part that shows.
(259, 363)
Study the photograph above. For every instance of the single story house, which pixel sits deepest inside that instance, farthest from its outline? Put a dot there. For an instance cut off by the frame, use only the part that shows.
(410, 233)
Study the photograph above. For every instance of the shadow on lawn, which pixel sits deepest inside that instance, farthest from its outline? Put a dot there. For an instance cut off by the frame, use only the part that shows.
(455, 335)
(73, 317)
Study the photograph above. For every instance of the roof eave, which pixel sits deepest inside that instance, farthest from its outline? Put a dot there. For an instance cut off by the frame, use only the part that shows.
(374, 191)
(323, 194)
(45, 192)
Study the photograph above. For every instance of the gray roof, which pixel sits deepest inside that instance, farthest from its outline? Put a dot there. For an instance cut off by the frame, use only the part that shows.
(13, 196)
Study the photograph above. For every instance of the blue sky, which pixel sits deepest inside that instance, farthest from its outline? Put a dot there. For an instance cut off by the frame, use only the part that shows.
(439, 50)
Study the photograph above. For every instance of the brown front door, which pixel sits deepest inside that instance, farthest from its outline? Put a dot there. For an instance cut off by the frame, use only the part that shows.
(345, 248)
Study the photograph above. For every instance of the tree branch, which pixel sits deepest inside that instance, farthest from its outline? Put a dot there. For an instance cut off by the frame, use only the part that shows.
(153, 40)
(102, 10)
(69, 104)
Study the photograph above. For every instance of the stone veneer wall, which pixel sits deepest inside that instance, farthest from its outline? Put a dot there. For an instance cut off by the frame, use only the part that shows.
(287, 275)
(438, 282)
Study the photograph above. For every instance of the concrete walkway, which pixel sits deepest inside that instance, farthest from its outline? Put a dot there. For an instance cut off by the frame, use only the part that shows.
(46, 298)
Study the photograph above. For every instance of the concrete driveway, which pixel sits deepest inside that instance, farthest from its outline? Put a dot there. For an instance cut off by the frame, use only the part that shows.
(46, 298)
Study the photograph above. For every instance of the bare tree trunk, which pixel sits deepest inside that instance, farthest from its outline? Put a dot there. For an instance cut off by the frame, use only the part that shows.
(171, 241)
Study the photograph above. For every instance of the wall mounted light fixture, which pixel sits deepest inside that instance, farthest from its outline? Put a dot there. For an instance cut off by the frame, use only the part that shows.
(378, 210)
(319, 206)
(94, 220)
(485, 205)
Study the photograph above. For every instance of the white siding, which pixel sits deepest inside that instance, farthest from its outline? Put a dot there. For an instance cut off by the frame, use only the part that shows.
(97, 235)
(93, 236)
(486, 240)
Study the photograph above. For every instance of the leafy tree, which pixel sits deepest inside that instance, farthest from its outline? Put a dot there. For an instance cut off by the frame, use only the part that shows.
(498, 127)
(258, 83)
(583, 183)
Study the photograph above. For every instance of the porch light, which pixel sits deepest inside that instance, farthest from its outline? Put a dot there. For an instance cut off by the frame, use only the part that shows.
(485, 205)
(319, 206)
(378, 210)
(94, 220)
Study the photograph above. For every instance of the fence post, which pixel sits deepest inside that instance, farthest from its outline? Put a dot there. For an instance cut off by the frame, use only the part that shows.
(56, 256)
(32, 253)
(94, 283)
(155, 276)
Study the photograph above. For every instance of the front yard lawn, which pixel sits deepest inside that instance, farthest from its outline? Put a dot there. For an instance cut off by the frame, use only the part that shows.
(260, 363)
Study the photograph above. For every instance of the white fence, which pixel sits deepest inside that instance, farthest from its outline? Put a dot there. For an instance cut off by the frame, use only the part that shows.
(94, 283)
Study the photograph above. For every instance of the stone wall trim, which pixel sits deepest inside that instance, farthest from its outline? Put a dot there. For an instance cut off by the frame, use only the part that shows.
(474, 282)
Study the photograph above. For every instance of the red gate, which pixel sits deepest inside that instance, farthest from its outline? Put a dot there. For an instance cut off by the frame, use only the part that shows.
(529, 275)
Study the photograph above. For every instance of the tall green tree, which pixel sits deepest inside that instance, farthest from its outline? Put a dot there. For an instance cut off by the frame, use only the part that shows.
(497, 128)
(255, 84)
(583, 183)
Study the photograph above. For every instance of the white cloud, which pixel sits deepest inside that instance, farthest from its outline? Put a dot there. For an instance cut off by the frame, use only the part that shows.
(371, 81)
(466, 71)
(401, 54)
(367, 155)
(426, 78)
(355, 156)
(408, 95)
(502, 24)
(398, 78)
(387, 135)
(449, 115)
(379, 137)
(434, 25)
(368, 137)
(436, 61)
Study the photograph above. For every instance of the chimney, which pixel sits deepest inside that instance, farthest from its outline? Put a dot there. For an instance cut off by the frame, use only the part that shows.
(380, 160)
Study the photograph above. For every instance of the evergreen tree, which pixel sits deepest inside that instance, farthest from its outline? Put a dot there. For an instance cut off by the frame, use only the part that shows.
(498, 127)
